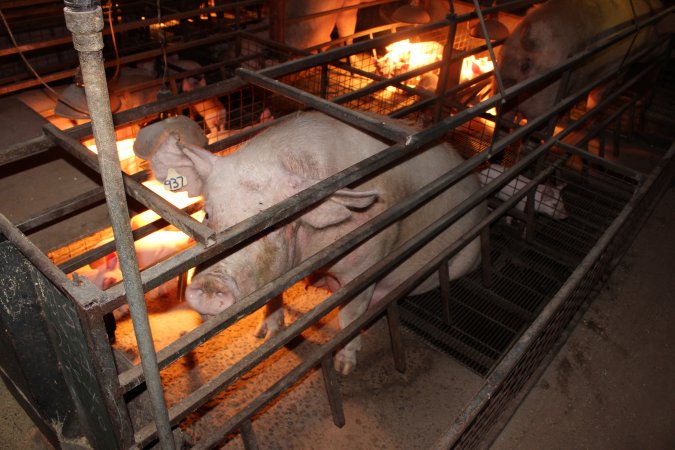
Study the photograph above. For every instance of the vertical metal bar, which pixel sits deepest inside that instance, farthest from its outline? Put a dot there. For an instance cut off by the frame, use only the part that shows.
(444, 281)
(486, 263)
(248, 436)
(616, 136)
(86, 26)
(445, 68)
(333, 391)
(324, 81)
(394, 322)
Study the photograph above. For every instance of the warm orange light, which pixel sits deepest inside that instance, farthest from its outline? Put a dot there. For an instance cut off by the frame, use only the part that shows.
(404, 56)
(472, 67)
(178, 199)
(125, 147)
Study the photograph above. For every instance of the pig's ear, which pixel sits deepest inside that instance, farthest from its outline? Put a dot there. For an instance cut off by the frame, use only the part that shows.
(528, 43)
(338, 208)
(182, 167)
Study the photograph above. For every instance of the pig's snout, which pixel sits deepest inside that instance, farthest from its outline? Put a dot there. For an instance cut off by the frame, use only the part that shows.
(210, 296)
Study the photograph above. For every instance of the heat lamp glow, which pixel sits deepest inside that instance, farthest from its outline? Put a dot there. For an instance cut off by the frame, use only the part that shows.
(178, 199)
(125, 147)
(472, 67)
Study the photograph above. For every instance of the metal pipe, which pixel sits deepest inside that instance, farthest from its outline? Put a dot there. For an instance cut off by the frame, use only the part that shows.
(85, 22)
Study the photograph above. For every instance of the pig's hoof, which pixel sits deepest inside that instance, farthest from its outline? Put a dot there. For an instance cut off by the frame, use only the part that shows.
(345, 361)
(267, 329)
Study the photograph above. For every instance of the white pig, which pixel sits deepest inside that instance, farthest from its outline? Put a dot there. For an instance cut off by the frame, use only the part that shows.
(150, 250)
(547, 199)
(559, 29)
(287, 158)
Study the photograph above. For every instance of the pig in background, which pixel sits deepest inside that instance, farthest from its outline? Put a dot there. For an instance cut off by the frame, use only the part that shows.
(150, 250)
(284, 160)
(555, 31)
(547, 199)
(211, 110)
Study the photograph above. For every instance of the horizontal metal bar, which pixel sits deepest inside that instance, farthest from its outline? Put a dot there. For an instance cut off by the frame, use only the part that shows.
(193, 228)
(609, 165)
(385, 130)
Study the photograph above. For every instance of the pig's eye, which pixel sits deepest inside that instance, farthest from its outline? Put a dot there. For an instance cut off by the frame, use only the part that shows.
(526, 65)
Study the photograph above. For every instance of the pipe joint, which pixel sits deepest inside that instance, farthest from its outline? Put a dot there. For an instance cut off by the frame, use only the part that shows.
(86, 27)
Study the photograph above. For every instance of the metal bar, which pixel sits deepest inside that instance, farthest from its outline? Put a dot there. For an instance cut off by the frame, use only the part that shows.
(193, 228)
(444, 283)
(248, 436)
(86, 26)
(332, 384)
(397, 348)
(486, 263)
(609, 165)
(367, 122)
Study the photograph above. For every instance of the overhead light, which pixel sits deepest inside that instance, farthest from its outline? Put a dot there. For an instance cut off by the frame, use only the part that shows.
(495, 29)
(72, 102)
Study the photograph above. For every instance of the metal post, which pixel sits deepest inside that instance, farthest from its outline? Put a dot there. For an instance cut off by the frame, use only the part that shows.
(85, 21)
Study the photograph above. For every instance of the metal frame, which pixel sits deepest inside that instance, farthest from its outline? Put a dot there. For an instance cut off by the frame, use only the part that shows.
(88, 304)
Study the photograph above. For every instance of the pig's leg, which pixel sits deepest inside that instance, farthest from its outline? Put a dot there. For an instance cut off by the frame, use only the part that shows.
(345, 359)
(273, 318)
(346, 24)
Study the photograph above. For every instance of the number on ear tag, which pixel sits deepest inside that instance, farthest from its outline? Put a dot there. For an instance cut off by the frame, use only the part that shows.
(174, 181)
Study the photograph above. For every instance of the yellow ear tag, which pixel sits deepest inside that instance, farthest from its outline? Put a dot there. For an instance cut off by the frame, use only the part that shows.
(174, 181)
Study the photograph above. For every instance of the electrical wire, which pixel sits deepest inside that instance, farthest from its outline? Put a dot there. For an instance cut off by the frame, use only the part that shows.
(114, 42)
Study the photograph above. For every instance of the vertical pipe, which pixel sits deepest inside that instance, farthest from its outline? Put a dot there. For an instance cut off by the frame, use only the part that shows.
(86, 24)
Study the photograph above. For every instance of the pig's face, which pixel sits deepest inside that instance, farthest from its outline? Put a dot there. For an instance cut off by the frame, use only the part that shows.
(525, 54)
(549, 201)
(230, 200)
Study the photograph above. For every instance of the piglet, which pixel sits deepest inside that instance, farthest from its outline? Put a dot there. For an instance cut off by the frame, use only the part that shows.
(151, 249)
(547, 199)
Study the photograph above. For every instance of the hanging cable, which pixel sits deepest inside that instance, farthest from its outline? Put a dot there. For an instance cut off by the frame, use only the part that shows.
(110, 7)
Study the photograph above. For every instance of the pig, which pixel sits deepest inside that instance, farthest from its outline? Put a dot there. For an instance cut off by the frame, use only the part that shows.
(150, 250)
(547, 199)
(285, 159)
(556, 31)
(316, 31)
(211, 110)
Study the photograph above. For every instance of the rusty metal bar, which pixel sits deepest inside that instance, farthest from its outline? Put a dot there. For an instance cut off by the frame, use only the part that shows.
(248, 436)
(190, 226)
(332, 384)
(444, 283)
(367, 122)
(397, 348)
(86, 23)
